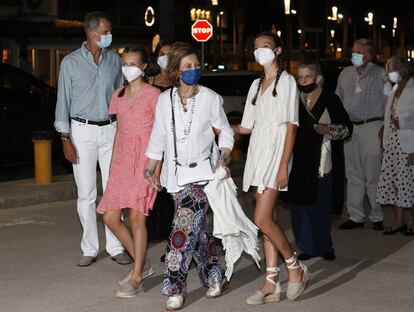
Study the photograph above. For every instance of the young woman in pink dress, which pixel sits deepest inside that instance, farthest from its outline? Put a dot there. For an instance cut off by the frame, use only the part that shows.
(134, 107)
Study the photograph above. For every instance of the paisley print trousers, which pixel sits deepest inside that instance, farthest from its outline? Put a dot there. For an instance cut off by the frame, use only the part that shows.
(190, 239)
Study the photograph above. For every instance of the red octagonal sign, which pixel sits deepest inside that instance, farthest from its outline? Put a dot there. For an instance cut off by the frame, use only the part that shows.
(202, 30)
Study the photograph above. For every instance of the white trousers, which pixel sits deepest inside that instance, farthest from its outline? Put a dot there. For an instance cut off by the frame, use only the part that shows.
(93, 144)
(362, 168)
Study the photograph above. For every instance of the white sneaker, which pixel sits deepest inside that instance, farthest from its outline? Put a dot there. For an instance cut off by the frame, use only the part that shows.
(216, 289)
(174, 303)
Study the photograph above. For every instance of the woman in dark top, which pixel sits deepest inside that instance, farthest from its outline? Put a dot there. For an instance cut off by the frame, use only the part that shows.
(161, 53)
(324, 124)
(159, 222)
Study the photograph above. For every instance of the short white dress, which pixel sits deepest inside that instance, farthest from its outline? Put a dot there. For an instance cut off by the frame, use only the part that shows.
(268, 119)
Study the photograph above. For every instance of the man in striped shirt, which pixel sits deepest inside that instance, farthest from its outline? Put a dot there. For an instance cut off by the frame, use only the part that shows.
(361, 89)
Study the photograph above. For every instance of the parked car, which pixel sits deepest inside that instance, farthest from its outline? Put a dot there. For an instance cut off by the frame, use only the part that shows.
(233, 86)
(27, 104)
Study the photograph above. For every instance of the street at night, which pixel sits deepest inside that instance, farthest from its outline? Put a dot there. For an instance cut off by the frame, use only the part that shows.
(41, 244)
(206, 155)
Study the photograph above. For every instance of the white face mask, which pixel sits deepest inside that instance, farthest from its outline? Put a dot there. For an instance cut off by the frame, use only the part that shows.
(264, 56)
(162, 61)
(394, 77)
(131, 72)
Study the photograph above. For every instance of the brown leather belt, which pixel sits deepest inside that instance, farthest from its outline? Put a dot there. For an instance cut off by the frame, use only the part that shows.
(95, 123)
(361, 122)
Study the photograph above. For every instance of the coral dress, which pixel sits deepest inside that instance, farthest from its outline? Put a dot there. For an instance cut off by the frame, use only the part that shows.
(127, 187)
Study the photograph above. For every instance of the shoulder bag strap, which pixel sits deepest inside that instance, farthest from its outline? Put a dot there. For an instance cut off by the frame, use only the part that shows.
(173, 126)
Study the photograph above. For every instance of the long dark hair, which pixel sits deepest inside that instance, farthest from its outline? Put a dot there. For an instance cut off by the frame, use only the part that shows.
(280, 62)
(143, 53)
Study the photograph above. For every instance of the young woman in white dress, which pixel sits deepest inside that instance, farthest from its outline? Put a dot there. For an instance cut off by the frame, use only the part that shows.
(271, 117)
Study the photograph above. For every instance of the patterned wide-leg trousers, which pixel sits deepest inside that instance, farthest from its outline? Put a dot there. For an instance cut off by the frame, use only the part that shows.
(190, 239)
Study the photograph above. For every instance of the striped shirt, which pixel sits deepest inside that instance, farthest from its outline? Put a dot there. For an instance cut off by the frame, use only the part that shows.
(85, 88)
(362, 95)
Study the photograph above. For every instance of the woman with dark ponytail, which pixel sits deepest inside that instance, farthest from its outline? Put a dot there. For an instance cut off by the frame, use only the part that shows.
(271, 116)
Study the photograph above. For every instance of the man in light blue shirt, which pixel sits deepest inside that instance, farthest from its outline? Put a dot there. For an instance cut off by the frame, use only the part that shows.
(87, 79)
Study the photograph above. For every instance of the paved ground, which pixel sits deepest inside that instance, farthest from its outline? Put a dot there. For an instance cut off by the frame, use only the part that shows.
(40, 245)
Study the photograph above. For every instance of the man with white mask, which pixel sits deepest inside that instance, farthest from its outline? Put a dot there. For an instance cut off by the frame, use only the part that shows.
(361, 89)
(87, 79)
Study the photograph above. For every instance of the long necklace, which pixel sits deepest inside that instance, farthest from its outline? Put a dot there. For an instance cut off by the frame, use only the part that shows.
(192, 95)
(186, 122)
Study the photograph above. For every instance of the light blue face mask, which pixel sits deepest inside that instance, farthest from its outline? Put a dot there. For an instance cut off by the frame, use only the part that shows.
(357, 59)
(105, 41)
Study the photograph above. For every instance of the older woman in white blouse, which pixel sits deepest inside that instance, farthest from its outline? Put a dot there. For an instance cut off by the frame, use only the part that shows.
(396, 182)
(183, 136)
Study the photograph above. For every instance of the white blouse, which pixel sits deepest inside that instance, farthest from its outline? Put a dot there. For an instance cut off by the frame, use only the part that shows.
(404, 111)
(207, 113)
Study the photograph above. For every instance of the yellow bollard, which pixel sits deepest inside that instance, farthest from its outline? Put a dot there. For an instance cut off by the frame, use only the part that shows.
(43, 161)
(236, 153)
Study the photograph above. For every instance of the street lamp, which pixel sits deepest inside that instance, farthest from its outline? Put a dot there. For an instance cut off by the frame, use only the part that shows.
(288, 33)
(370, 18)
(287, 7)
(334, 13)
(395, 23)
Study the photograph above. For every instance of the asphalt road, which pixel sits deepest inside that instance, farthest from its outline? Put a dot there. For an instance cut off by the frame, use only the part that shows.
(38, 273)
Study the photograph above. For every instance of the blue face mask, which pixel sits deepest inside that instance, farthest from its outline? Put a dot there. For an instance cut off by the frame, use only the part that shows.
(190, 77)
(105, 41)
(357, 59)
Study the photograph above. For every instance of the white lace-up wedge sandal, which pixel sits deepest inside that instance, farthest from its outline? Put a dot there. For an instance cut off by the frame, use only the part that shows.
(295, 289)
(259, 297)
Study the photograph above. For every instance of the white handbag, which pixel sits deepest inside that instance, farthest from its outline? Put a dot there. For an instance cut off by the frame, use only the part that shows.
(199, 172)
(196, 172)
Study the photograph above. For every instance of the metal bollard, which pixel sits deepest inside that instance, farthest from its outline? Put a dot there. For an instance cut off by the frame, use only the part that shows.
(42, 157)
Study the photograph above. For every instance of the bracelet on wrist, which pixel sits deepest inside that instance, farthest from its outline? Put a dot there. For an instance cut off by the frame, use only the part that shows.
(148, 173)
(65, 138)
(225, 158)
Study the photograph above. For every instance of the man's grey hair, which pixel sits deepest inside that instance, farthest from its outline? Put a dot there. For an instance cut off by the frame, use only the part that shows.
(367, 43)
(92, 20)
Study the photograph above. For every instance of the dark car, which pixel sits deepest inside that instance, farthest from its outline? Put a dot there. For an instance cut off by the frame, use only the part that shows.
(233, 86)
(27, 105)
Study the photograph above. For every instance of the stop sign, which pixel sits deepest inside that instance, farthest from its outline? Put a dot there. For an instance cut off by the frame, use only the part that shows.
(202, 30)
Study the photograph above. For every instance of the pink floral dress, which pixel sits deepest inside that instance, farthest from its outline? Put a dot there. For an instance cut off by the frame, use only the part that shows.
(127, 187)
